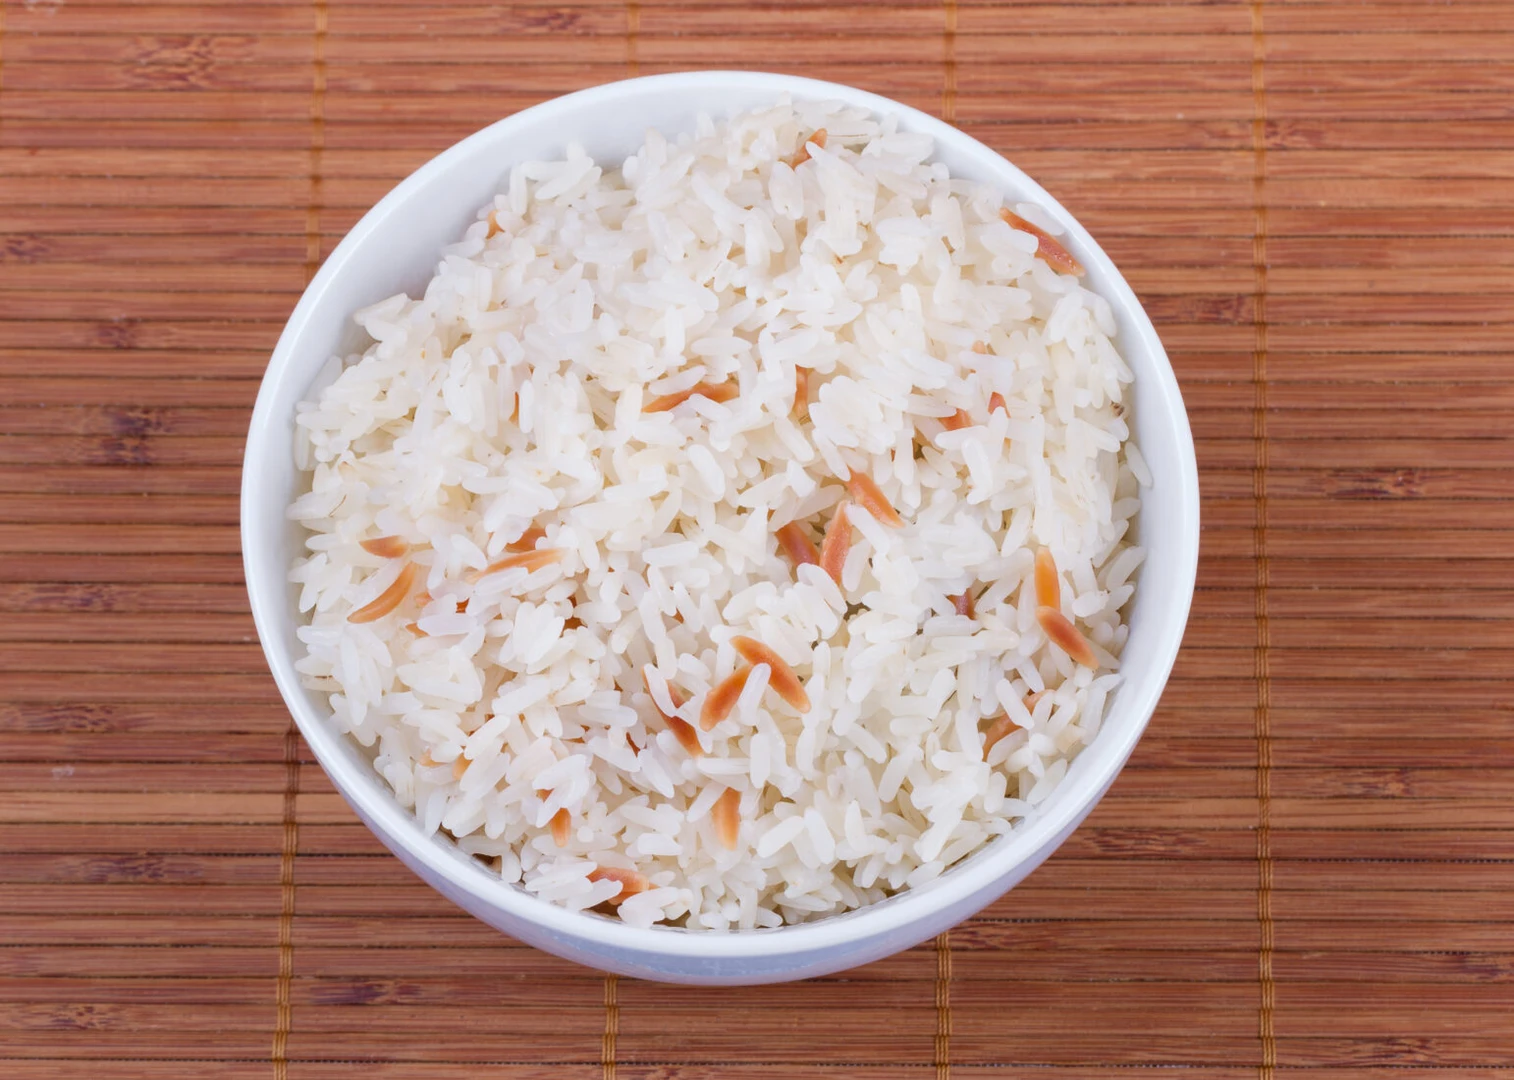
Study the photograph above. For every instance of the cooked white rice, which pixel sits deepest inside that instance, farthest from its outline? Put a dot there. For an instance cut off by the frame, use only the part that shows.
(512, 396)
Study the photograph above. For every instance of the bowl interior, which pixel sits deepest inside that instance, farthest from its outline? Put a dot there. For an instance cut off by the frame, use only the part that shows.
(395, 248)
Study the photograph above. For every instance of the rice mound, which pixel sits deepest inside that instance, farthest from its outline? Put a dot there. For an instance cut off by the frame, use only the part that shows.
(533, 409)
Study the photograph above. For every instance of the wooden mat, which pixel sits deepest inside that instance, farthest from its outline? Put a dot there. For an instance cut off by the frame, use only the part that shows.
(1307, 870)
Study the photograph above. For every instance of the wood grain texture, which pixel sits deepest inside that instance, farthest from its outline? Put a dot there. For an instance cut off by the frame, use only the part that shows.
(1305, 871)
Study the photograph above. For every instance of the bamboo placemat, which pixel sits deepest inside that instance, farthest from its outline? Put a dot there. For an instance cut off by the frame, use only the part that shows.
(1306, 870)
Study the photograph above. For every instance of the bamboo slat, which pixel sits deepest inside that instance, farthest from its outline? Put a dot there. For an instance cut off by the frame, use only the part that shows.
(1304, 872)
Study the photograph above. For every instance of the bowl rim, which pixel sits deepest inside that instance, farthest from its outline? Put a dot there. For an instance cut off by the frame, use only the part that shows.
(975, 874)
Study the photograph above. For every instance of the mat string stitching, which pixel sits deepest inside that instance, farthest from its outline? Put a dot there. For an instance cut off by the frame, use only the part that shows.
(943, 1054)
(949, 59)
(612, 1026)
(317, 142)
(284, 1008)
(633, 31)
(1263, 717)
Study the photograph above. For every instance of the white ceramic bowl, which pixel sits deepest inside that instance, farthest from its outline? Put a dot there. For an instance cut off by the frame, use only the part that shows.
(395, 247)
